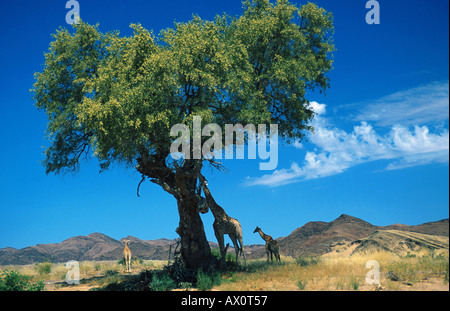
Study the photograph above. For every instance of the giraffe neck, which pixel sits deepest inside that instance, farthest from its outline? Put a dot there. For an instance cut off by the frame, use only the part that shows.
(217, 211)
(265, 237)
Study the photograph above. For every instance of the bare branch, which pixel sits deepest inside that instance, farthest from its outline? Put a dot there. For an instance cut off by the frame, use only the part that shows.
(217, 165)
(139, 186)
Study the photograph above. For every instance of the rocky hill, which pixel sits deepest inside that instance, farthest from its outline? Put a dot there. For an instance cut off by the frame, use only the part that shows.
(314, 238)
(318, 238)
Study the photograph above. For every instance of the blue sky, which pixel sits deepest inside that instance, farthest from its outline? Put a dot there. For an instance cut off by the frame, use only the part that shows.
(380, 150)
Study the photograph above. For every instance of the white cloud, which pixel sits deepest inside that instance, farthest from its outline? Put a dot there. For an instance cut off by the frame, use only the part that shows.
(298, 144)
(336, 150)
(278, 177)
(419, 147)
(319, 109)
(419, 105)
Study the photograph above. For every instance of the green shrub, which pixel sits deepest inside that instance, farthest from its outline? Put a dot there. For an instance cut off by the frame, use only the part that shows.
(305, 261)
(207, 281)
(228, 256)
(162, 282)
(14, 281)
(44, 268)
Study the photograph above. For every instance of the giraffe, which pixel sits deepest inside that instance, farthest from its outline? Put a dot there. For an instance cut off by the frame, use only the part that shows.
(223, 224)
(127, 256)
(272, 246)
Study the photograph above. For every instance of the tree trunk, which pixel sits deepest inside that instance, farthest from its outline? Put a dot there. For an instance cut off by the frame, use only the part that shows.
(195, 248)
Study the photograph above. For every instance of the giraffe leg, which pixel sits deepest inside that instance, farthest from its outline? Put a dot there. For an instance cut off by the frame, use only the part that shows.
(236, 246)
(277, 252)
(220, 240)
(242, 250)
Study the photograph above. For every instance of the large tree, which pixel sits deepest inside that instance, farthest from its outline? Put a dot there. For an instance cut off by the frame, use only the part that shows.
(116, 98)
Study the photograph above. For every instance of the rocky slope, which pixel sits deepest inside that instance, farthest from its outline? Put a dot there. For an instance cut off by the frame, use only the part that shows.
(318, 238)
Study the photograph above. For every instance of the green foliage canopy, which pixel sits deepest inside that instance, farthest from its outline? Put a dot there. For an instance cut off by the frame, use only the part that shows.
(117, 97)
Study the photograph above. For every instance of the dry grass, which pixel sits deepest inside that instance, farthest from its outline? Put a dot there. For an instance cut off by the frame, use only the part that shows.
(342, 273)
(427, 271)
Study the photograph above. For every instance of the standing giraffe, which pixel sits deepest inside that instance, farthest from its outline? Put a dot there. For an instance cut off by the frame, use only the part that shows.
(224, 224)
(127, 256)
(272, 246)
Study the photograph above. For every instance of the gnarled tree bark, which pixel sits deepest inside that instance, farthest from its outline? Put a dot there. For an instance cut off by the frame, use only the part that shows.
(181, 182)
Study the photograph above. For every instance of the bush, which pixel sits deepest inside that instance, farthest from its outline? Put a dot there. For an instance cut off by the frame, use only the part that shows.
(305, 261)
(207, 281)
(229, 258)
(14, 281)
(162, 282)
(44, 268)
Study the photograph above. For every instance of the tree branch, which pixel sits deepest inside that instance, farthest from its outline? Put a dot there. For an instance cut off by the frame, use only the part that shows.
(139, 186)
(158, 172)
(217, 165)
(166, 187)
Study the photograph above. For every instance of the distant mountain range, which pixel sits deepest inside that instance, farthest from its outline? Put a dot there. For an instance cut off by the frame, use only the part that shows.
(94, 247)
(344, 234)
